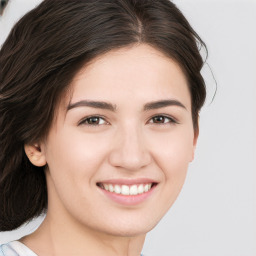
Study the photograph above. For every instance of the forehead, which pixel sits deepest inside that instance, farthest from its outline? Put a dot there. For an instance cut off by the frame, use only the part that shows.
(122, 74)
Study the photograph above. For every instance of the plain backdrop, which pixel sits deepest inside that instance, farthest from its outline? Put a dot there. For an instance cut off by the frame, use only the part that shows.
(215, 214)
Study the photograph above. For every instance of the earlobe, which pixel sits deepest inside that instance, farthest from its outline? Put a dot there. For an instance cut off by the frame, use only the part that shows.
(35, 154)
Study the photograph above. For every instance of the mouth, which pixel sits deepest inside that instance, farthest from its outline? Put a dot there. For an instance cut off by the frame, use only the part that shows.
(127, 189)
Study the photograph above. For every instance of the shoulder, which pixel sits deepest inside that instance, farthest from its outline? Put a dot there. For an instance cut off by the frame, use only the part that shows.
(15, 248)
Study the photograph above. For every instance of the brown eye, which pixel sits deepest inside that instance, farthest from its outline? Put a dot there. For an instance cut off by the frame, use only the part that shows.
(93, 120)
(161, 120)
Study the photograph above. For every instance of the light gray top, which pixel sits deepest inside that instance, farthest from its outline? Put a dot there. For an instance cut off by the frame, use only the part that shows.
(15, 248)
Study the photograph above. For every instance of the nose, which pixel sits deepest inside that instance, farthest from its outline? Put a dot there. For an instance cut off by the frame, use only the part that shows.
(129, 150)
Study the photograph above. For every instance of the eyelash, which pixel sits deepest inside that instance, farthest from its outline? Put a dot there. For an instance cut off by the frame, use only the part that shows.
(171, 120)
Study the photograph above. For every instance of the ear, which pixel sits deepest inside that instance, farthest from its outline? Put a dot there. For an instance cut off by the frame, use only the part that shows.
(35, 154)
(196, 133)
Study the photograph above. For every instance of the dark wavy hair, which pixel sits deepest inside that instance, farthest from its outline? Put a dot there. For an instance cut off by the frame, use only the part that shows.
(38, 61)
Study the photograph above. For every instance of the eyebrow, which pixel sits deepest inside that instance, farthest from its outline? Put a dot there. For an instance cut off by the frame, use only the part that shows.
(93, 104)
(111, 107)
(162, 104)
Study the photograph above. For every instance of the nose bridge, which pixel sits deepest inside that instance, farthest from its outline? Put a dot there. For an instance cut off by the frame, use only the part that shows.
(130, 151)
(132, 141)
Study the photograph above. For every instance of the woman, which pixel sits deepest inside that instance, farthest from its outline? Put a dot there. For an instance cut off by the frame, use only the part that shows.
(99, 121)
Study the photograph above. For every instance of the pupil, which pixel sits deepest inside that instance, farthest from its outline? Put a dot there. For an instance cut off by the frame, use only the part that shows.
(159, 119)
(93, 120)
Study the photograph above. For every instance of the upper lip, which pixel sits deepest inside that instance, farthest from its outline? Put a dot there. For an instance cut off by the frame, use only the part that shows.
(128, 181)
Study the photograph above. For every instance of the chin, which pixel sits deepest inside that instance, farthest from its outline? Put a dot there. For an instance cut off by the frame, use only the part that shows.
(129, 228)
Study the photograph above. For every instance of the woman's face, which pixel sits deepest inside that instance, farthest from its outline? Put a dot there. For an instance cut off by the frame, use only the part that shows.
(119, 148)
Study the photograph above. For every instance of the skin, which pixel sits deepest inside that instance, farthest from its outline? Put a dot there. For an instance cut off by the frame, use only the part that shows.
(127, 144)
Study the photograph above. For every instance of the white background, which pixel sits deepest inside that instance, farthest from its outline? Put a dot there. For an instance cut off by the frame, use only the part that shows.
(215, 214)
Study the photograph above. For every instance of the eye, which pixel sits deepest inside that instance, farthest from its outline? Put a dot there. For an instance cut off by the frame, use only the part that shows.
(161, 119)
(93, 121)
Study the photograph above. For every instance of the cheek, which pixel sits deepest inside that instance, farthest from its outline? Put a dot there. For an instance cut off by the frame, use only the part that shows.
(77, 156)
(73, 162)
(172, 157)
(173, 151)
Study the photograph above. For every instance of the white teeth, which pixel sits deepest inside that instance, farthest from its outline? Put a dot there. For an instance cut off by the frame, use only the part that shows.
(133, 190)
(117, 189)
(110, 188)
(140, 189)
(147, 187)
(127, 190)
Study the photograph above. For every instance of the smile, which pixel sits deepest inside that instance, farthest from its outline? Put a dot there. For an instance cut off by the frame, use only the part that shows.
(126, 190)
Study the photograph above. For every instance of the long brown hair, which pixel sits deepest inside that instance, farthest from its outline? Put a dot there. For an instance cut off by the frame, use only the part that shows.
(42, 54)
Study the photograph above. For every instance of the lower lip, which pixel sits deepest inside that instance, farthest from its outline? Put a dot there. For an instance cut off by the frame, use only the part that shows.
(129, 200)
